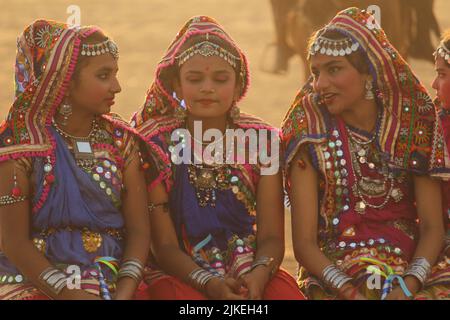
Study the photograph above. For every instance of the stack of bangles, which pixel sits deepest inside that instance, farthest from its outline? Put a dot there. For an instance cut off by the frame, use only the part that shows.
(266, 262)
(54, 279)
(334, 278)
(200, 277)
(131, 268)
(419, 268)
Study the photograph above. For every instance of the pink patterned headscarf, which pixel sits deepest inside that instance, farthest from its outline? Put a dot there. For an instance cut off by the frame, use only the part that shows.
(159, 100)
(47, 53)
(410, 134)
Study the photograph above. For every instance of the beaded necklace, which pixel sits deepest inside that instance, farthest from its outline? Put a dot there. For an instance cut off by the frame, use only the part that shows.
(208, 178)
(367, 188)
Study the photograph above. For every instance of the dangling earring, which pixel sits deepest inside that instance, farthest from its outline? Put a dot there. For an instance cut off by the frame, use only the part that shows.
(369, 90)
(181, 111)
(66, 111)
(16, 191)
(235, 112)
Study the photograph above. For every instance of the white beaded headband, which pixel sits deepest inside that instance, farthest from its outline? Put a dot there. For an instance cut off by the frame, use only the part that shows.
(443, 52)
(333, 47)
(97, 49)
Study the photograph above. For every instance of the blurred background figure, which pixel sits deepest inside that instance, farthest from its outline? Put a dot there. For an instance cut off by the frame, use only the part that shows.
(281, 10)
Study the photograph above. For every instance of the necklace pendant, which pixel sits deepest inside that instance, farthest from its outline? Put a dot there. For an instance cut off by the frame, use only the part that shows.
(349, 232)
(83, 153)
(360, 207)
(206, 179)
(397, 194)
(362, 152)
(83, 150)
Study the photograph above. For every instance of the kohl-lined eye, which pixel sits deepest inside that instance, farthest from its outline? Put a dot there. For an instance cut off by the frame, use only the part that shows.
(333, 70)
(103, 76)
(221, 80)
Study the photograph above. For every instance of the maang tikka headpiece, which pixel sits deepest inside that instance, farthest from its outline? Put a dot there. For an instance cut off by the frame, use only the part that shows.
(443, 52)
(97, 49)
(333, 47)
(207, 49)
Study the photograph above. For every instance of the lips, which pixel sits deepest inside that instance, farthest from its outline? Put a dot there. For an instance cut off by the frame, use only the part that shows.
(206, 102)
(328, 98)
(110, 101)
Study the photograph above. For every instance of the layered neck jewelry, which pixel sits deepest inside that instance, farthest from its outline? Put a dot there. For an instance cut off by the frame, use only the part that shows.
(443, 52)
(94, 129)
(81, 146)
(365, 153)
(205, 143)
(208, 178)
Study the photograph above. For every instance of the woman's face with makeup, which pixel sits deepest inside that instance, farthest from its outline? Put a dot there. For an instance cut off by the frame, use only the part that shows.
(340, 85)
(94, 88)
(442, 82)
(207, 85)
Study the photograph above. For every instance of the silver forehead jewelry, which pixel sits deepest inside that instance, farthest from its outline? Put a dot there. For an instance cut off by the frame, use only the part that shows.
(97, 49)
(443, 52)
(207, 49)
(333, 47)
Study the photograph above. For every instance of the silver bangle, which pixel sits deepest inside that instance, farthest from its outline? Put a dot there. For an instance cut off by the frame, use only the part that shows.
(128, 274)
(54, 279)
(334, 278)
(263, 261)
(419, 268)
(131, 268)
(341, 281)
(135, 262)
(329, 271)
(200, 277)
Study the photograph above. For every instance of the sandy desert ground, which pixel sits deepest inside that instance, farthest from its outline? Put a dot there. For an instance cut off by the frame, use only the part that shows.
(144, 28)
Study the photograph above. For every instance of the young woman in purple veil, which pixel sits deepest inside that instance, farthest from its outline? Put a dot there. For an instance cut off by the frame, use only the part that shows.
(218, 228)
(73, 215)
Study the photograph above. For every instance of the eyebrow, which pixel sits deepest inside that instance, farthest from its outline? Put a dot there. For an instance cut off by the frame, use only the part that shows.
(328, 64)
(201, 72)
(108, 69)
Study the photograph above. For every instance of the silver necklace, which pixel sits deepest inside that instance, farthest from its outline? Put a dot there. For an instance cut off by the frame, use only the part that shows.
(81, 146)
